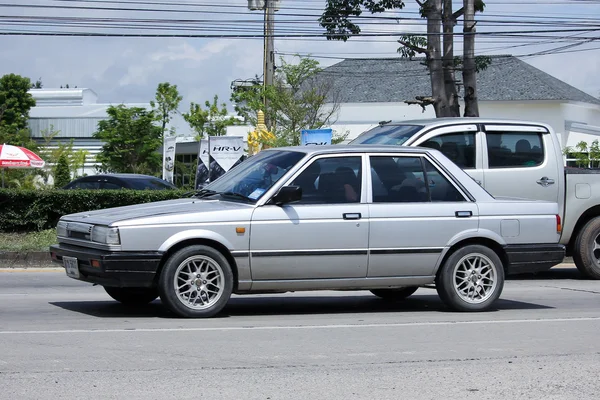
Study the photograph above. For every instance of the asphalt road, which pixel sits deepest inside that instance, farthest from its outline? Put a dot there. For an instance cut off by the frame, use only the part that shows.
(62, 339)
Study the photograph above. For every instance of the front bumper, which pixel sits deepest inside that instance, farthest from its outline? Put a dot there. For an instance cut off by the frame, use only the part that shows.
(523, 259)
(119, 269)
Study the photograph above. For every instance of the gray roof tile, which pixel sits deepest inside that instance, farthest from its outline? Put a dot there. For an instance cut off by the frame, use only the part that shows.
(395, 80)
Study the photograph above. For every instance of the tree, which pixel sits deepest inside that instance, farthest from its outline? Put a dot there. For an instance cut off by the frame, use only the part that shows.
(38, 84)
(166, 103)
(298, 99)
(15, 103)
(62, 176)
(131, 141)
(437, 46)
(212, 121)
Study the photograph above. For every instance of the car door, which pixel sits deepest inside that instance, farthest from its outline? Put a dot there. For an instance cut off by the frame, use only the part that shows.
(415, 210)
(460, 143)
(520, 162)
(324, 235)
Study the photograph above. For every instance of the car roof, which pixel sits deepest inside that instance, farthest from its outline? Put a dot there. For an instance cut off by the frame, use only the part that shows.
(128, 176)
(354, 148)
(430, 122)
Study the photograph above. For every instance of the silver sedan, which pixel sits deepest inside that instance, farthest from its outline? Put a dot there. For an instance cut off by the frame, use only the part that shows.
(384, 219)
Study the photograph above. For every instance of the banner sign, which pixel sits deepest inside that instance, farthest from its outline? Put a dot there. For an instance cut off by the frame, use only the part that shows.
(169, 144)
(225, 152)
(203, 162)
(316, 137)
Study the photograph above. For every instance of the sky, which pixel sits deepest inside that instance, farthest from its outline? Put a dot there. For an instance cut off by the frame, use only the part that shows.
(128, 69)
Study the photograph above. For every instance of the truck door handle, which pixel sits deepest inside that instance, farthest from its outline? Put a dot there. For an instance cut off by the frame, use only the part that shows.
(545, 181)
(352, 216)
(463, 214)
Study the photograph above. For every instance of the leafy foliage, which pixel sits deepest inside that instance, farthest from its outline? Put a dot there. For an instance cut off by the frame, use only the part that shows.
(212, 121)
(299, 99)
(336, 17)
(131, 141)
(15, 103)
(166, 103)
(62, 176)
(35, 210)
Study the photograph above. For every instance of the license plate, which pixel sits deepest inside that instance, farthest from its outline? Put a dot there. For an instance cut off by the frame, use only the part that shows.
(71, 267)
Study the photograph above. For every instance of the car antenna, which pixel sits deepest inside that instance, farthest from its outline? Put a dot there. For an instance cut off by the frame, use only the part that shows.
(381, 123)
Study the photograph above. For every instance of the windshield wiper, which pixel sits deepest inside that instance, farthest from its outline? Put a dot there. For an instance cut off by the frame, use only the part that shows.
(204, 193)
(236, 195)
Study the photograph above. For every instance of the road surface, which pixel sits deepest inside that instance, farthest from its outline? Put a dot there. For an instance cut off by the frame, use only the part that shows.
(60, 338)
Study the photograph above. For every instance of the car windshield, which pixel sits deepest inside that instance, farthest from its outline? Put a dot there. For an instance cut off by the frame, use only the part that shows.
(388, 134)
(149, 184)
(253, 177)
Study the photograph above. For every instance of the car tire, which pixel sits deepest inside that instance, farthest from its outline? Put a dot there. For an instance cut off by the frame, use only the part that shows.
(132, 296)
(586, 252)
(395, 294)
(196, 282)
(471, 279)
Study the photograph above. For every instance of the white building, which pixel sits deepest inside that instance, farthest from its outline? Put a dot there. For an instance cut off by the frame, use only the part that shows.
(75, 114)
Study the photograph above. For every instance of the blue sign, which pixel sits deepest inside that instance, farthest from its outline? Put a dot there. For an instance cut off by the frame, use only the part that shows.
(316, 137)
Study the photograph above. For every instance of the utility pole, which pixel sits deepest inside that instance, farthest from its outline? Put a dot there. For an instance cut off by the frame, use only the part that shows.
(269, 53)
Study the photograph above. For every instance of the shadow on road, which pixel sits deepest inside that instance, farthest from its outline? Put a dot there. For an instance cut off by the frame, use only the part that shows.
(425, 300)
(553, 274)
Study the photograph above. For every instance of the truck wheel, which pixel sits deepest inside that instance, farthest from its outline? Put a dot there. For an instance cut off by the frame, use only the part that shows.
(196, 282)
(131, 295)
(471, 279)
(395, 294)
(586, 252)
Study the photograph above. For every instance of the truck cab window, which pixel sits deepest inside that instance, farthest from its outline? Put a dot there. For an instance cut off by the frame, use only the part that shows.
(514, 149)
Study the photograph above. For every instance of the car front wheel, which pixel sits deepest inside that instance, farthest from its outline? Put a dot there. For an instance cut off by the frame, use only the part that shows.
(471, 279)
(196, 282)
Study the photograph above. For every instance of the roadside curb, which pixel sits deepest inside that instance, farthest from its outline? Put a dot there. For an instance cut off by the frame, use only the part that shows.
(35, 259)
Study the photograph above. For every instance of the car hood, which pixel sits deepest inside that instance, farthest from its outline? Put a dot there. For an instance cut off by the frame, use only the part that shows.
(169, 211)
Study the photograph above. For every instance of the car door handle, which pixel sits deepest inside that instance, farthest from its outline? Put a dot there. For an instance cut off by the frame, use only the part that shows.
(352, 216)
(463, 214)
(545, 181)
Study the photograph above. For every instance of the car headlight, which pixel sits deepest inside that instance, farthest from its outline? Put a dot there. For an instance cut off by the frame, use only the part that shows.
(61, 229)
(106, 235)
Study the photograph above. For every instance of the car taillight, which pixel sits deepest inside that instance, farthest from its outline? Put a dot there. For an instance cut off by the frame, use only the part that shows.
(558, 224)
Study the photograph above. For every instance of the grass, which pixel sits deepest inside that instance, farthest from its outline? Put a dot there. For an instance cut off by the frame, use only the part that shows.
(30, 241)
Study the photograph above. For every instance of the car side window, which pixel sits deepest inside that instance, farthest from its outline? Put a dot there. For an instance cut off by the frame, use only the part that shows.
(86, 185)
(398, 179)
(514, 149)
(459, 147)
(110, 185)
(331, 180)
(440, 188)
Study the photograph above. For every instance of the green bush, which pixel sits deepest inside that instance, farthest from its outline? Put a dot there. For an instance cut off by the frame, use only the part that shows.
(62, 176)
(35, 210)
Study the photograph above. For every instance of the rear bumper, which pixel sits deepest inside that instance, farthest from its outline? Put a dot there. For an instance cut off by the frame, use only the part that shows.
(119, 269)
(529, 258)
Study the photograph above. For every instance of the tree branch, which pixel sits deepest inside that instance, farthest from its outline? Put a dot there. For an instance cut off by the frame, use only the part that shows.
(422, 101)
(418, 49)
(458, 14)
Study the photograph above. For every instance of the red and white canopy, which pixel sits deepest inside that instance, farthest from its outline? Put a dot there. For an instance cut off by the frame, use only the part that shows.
(19, 157)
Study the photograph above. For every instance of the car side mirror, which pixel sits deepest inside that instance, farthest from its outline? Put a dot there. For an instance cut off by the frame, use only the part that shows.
(287, 194)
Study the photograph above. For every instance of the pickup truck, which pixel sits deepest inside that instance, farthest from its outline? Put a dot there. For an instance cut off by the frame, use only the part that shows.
(513, 159)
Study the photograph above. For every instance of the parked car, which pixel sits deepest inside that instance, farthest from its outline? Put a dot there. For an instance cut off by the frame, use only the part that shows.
(517, 159)
(384, 219)
(120, 181)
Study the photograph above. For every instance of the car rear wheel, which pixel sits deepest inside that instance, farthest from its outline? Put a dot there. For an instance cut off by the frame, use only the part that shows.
(131, 295)
(395, 294)
(196, 282)
(471, 279)
(586, 253)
